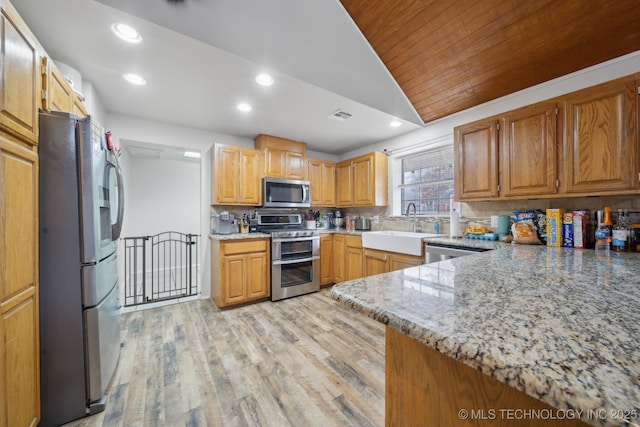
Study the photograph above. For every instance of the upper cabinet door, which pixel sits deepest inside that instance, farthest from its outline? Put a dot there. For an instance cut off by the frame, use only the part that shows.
(344, 184)
(600, 138)
(237, 176)
(226, 167)
(476, 153)
(19, 78)
(59, 93)
(363, 181)
(283, 158)
(250, 182)
(314, 174)
(528, 151)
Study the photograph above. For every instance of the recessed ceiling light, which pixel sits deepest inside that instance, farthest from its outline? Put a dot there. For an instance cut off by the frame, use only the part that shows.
(126, 33)
(193, 154)
(134, 79)
(264, 79)
(395, 123)
(243, 106)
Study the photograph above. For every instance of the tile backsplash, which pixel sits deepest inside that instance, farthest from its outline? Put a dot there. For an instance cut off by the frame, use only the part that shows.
(476, 212)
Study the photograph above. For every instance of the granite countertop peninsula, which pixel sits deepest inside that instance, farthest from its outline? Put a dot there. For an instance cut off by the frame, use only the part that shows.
(466, 243)
(560, 325)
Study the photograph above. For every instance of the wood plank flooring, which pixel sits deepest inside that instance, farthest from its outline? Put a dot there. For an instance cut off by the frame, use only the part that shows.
(305, 361)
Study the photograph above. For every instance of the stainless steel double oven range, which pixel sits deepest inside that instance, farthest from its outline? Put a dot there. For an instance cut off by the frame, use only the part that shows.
(295, 255)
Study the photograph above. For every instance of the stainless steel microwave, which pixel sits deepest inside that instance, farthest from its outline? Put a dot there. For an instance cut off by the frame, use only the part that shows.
(285, 193)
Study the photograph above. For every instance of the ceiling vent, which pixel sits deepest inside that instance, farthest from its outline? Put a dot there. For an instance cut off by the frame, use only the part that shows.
(340, 115)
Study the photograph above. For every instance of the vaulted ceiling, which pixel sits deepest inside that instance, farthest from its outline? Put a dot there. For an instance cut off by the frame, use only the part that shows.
(450, 55)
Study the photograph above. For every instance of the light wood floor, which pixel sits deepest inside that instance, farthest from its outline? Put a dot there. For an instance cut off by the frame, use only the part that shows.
(305, 361)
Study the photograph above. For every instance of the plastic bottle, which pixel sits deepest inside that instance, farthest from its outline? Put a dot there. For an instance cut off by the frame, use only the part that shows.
(602, 235)
(620, 234)
(606, 220)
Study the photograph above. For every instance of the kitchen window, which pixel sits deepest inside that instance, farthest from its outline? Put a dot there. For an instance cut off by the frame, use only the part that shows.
(426, 179)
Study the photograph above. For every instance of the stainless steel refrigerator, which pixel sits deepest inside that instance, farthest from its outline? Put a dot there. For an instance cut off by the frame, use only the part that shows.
(81, 211)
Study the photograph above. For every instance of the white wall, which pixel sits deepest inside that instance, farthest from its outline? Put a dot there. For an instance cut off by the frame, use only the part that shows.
(136, 129)
(93, 103)
(161, 195)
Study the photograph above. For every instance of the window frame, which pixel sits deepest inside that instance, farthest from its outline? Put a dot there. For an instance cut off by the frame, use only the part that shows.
(396, 171)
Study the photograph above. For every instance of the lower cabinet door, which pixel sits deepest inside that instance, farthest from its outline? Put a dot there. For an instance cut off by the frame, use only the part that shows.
(257, 276)
(234, 279)
(20, 363)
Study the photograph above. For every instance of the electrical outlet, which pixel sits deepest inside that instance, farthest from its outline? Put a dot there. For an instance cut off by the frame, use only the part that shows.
(376, 219)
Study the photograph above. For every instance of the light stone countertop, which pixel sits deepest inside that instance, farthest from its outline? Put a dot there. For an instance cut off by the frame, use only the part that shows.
(560, 325)
(239, 236)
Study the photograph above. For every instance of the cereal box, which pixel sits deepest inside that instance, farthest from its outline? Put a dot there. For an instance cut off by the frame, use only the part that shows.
(554, 227)
(567, 230)
(580, 221)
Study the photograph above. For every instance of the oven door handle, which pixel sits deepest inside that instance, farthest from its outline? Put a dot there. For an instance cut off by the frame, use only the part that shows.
(296, 239)
(294, 261)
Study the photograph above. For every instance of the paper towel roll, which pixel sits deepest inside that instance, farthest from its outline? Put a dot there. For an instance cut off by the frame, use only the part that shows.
(454, 224)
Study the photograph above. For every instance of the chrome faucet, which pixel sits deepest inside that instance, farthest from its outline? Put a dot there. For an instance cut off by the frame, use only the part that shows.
(414, 214)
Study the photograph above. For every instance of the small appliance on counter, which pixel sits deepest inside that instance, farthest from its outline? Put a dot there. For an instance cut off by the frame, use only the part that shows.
(363, 224)
(338, 220)
(223, 223)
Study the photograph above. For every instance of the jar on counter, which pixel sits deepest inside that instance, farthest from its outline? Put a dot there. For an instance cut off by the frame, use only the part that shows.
(350, 223)
(635, 237)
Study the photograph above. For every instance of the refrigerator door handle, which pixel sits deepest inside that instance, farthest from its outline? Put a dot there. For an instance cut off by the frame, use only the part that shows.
(116, 228)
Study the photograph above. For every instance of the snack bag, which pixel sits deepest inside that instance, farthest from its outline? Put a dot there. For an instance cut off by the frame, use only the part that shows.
(524, 232)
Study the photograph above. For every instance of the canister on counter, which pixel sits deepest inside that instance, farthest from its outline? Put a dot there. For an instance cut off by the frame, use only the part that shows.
(580, 222)
(554, 227)
(635, 237)
(567, 230)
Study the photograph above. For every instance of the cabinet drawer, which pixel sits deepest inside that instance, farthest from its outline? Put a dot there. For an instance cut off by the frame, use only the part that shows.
(354, 241)
(244, 246)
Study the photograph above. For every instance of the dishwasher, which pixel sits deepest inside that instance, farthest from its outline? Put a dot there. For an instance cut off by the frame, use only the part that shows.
(439, 251)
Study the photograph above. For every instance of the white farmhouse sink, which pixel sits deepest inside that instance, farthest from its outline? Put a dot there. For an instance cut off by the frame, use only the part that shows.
(404, 242)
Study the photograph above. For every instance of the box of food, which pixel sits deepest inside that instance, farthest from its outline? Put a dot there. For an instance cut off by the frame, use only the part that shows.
(567, 230)
(554, 227)
(580, 221)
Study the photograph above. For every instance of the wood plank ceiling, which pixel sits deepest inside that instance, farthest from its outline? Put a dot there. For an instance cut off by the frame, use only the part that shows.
(450, 55)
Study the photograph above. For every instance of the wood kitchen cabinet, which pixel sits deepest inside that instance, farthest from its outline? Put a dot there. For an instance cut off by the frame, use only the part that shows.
(347, 257)
(283, 158)
(326, 259)
(476, 154)
(19, 303)
(58, 94)
(528, 150)
(344, 184)
(513, 155)
(19, 310)
(581, 144)
(20, 79)
(322, 182)
(353, 257)
(377, 262)
(400, 261)
(240, 271)
(363, 181)
(601, 138)
(374, 262)
(237, 177)
(339, 263)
